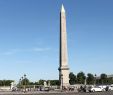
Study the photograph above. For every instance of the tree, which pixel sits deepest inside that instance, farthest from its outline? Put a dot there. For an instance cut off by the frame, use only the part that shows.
(25, 81)
(81, 78)
(36, 83)
(103, 78)
(72, 78)
(90, 78)
(54, 82)
(98, 81)
(109, 80)
(31, 83)
(41, 82)
(5, 82)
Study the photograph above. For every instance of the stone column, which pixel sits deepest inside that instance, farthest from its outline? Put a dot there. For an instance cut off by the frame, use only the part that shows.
(63, 69)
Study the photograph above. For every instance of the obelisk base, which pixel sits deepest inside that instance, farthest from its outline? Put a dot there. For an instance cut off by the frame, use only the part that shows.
(64, 77)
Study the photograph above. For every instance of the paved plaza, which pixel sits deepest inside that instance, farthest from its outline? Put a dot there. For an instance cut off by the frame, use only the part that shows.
(56, 93)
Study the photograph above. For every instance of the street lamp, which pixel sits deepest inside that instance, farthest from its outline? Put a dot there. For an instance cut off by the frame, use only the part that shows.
(95, 79)
(85, 83)
(24, 75)
(25, 82)
(22, 82)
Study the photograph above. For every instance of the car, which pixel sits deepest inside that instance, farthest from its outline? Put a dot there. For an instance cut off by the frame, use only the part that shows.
(93, 89)
(14, 89)
(111, 87)
(103, 87)
(46, 89)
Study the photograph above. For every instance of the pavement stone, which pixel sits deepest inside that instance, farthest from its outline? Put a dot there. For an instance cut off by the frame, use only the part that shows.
(56, 93)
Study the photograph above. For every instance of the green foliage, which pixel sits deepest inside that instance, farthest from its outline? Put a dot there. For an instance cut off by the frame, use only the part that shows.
(103, 78)
(54, 82)
(36, 83)
(72, 78)
(25, 81)
(81, 78)
(90, 78)
(41, 82)
(31, 83)
(6, 82)
(109, 80)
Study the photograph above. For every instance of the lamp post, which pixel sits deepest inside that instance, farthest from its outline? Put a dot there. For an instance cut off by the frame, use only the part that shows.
(22, 82)
(25, 82)
(19, 84)
(95, 80)
(85, 82)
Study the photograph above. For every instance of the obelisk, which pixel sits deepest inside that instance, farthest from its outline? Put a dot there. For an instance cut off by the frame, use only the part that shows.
(63, 69)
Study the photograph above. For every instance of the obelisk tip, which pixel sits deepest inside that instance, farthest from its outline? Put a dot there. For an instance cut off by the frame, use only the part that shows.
(62, 8)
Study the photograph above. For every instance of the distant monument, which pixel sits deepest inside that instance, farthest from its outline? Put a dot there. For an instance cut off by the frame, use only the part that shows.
(63, 68)
(45, 83)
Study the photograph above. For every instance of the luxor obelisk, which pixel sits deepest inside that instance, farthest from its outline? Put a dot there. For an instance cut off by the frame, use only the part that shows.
(63, 68)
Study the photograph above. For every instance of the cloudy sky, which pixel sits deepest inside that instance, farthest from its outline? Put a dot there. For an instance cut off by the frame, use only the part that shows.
(29, 37)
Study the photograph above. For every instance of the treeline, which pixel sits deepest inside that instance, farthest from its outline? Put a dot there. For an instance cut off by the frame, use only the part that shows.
(81, 78)
(40, 82)
(6, 82)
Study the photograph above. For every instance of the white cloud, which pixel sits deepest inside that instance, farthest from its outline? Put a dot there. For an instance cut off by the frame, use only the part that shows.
(41, 49)
(11, 52)
(14, 51)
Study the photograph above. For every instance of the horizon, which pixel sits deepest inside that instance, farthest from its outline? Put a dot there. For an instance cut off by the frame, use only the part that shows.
(29, 38)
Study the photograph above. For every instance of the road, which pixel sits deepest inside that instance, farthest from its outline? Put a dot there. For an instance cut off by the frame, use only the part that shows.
(56, 93)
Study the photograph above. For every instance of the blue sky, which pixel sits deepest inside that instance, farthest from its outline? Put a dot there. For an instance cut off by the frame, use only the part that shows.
(29, 37)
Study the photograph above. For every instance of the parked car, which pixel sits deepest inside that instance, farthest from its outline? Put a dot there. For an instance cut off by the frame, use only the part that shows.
(93, 89)
(46, 89)
(14, 89)
(103, 87)
(110, 87)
